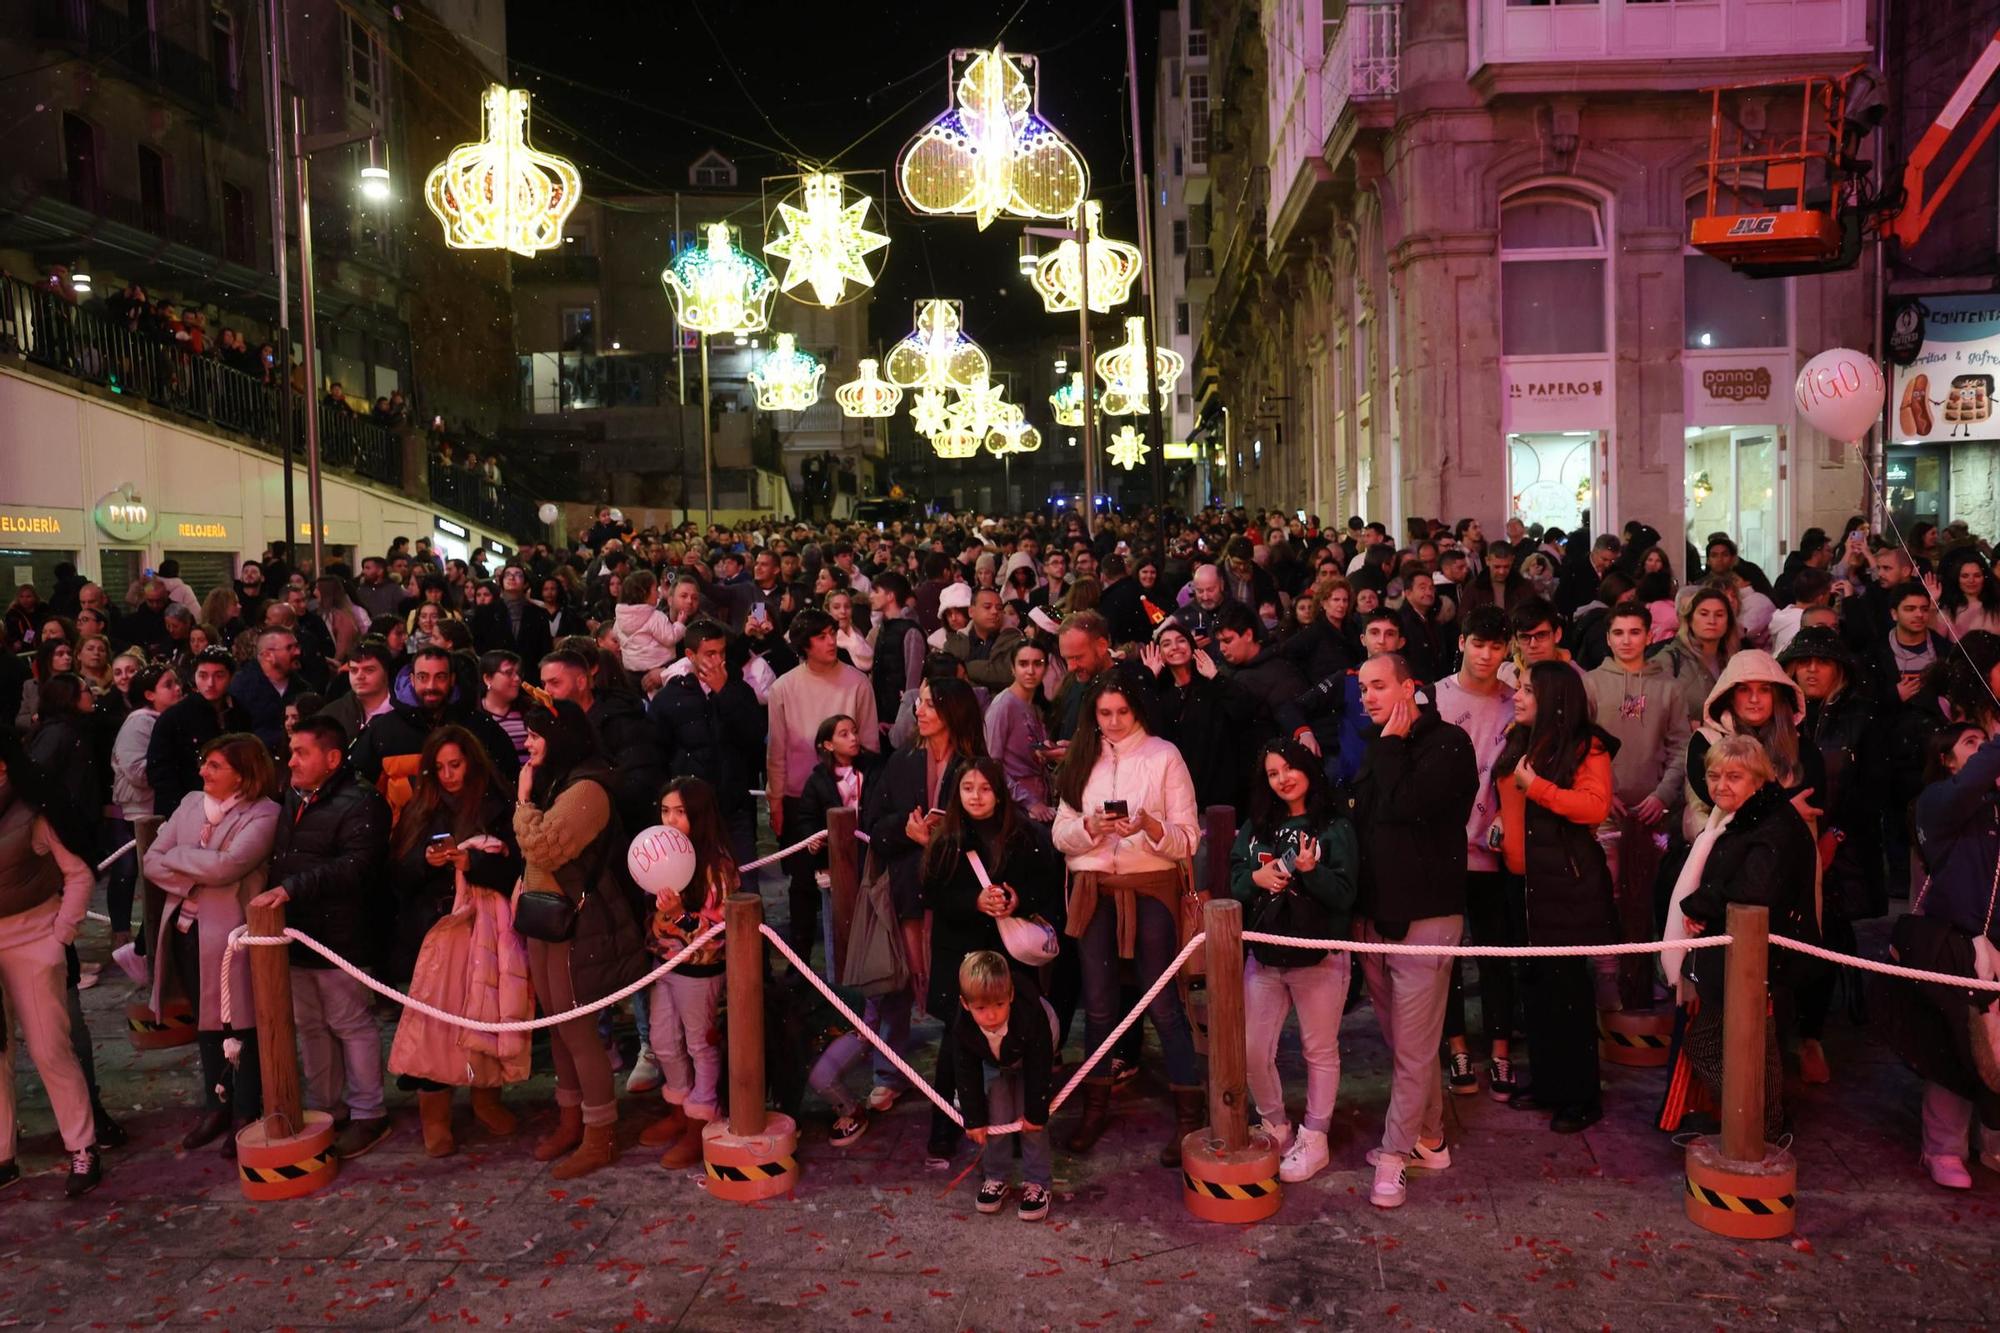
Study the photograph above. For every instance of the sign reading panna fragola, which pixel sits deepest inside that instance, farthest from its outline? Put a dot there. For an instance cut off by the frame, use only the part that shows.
(1555, 393)
(1731, 388)
(1946, 391)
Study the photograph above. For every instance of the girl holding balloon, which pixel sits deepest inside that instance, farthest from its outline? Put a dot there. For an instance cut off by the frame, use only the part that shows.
(690, 875)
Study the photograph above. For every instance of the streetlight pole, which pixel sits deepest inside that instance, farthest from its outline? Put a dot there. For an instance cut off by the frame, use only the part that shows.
(299, 174)
(707, 443)
(1089, 376)
(274, 94)
(1143, 220)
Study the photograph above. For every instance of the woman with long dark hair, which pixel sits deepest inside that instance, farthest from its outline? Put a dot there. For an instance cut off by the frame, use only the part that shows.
(1555, 788)
(452, 864)
(63, 741)
(1702, 646)
(1967, 595)
(1126, 822)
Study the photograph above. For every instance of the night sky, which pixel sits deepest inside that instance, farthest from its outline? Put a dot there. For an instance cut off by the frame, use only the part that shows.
(633, 93)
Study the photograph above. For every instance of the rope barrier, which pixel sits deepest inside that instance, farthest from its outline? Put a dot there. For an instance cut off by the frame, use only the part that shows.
(1886, 969)
(813, 843)
(105, 864)
(1489, 950)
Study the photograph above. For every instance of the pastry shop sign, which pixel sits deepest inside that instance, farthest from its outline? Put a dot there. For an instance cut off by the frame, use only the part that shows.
(1736, 388)
(1567, 394)
(1946, 391)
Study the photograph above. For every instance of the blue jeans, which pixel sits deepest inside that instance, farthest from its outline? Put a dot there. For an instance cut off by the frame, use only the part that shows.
(1004, 1099)
(1158, 942)
(888, 1017)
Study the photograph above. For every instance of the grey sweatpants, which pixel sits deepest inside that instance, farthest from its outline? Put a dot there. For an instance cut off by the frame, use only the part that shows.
(1409, 994)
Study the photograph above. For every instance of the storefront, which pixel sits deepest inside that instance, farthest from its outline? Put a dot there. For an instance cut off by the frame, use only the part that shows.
(1943, 461)
(1738, 432)
(1558, 422)
(33, 541)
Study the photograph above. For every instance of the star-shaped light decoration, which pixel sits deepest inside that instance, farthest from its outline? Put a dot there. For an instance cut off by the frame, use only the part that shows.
(991, 152)
(719, 288)
(1067, 401)
(868, 394)
(982, 406)
(1123, 371)
(936, 353)
(826, 242)
(1128, 448)
(503, 193)
(1114, 266)
(786, 379)
(930, 412)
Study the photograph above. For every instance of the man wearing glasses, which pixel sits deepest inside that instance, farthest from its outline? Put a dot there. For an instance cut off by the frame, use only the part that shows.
(1538, 637)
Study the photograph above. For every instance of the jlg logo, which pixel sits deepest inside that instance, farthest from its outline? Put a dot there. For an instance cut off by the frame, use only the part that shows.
(1761, 225)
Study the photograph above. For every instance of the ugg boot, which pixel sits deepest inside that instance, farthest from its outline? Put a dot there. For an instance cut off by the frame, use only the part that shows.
(669, 1128)
(568, 1132)
(434, 1109)
(599, 1148)
(1096, 1117)
(491, 1112)
(686, 1150)
(1190, 1114)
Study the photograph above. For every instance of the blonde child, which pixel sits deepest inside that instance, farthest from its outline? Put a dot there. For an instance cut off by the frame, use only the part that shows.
(1004, 1045)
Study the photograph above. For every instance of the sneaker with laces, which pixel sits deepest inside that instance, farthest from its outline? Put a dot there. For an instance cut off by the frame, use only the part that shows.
(881, 1098)
(1421, 1158)
(361, 1136)
(1034, 1204)
(1463, 1081)
(1500, 1084)
(85, 1173)
(1949, 1172)
(1390, 1187)
(1307, 1158)
(991, 1195)
(645, 1075)
(1278, 1131)
(849, 1128)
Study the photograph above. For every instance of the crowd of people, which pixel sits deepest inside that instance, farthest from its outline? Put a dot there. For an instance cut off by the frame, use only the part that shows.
(1540, 738)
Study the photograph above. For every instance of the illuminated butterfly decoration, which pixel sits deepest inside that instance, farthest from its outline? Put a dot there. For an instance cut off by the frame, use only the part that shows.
(936, 354)
(991, 153)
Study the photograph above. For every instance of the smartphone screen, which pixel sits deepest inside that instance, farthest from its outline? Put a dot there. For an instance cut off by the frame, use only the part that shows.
(1116, 809)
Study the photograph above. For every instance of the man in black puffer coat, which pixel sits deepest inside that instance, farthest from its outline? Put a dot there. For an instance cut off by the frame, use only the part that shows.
(327, 864)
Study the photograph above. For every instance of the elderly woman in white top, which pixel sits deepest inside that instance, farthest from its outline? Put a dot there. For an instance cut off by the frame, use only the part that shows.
(1126, 821)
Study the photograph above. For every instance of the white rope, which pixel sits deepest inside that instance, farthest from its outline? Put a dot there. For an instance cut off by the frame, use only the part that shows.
(814, 843)
(1886, 969)
(105, 864)
(241, 937)
(1489, 950)
(1167, 974)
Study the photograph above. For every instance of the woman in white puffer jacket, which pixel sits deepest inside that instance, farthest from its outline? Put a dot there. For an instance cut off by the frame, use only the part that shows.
(647, 636)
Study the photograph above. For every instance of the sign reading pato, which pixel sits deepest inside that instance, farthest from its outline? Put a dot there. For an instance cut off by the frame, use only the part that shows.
(124, 517)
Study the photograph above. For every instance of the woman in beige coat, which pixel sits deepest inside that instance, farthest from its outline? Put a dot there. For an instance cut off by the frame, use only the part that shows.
(209, 859)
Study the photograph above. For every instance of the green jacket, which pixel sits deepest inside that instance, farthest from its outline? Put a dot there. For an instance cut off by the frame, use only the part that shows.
(1331, 884)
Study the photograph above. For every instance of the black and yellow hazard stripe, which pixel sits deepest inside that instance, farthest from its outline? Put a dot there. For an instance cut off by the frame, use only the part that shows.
(1215, 1189)
(1747, 1205)
(272, 1175)
(760, 1171)
(176, 1019)
(1644, 1040)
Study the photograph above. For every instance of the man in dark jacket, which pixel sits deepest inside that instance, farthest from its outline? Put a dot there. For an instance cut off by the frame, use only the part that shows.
(1261, 669)
(512, 621)
(618, 717)
(173, 756)
(326, 863)
(387, 753)
(1412, 799)
(269, 684)
(708, 724)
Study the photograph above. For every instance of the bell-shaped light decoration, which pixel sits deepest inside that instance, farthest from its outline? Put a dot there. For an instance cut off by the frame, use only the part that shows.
(786, 379)
(1114, 266)
(502, 193)
(1128, 448)
(868, 394)
(936, 354)
(717, 287)
(826, 243)
(1123, 372)
(991, 153)
(1067, 401)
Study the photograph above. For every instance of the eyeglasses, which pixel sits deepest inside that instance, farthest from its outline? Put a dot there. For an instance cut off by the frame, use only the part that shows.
(1536, 636)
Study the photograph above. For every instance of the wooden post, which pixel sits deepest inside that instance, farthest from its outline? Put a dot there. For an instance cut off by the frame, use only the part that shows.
(1228, 1089)
(277, 1042)
(1219, 833)
(1746, 999)
(843, 866)
(743, 959)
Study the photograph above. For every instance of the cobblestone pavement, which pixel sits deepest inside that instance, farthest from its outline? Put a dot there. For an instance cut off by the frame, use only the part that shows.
(1526, 1230)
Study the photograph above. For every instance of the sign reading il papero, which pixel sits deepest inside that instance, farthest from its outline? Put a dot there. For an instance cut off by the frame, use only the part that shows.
(1738, 384)
(1557, 394)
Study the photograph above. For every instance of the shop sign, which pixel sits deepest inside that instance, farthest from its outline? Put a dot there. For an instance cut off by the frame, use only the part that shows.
(1946, 391)
(341, 532)
(495, 547)
(1556, 394)
(124, 517)
(1906, 332)
(1731, 388)
(198, 530)
(26, 525)
(451, 529)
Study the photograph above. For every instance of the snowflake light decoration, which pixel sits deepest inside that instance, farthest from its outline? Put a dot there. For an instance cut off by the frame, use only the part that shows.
(719, 288)
(787, 380)
(991, 153)
(1123, 371)
(502, 193)
(1114, 266)
(936, 354)
(1128, 448)
(826, 243)
(930, 412)
(1067, 401)
(868, 394)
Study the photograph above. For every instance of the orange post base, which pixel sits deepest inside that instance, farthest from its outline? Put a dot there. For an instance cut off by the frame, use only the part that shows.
(1635, 1038)
(1218, 1185)
(290, 1167)
(160, 1032)
(746, 1168)
(1741, 1200)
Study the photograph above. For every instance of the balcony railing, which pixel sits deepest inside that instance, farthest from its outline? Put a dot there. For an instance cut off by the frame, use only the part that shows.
(468, 493)
(1200, 262)
(1365, 61)
(557, 382)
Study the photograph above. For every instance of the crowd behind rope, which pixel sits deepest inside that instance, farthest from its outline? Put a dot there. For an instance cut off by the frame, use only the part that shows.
(1433, 737)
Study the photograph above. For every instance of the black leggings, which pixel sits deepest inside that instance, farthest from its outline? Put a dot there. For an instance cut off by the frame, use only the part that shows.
(239, 1091)
(1495, 914)
(1815, 999)
(1562, 1031)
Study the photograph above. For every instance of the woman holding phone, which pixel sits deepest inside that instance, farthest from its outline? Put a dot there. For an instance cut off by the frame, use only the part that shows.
(1127, 824)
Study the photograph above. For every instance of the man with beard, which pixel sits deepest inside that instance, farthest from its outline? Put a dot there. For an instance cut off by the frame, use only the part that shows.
(428, 697)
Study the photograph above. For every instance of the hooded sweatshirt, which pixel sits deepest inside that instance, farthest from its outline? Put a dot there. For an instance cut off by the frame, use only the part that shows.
(1717, 722)
(1647, 712)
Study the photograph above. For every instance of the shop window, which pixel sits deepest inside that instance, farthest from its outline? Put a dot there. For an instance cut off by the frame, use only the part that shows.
(1724, 308)
(19, 567)
(1734, 487)
(205, 571)
(1548, 477)
(118, 570)
(1554, 261)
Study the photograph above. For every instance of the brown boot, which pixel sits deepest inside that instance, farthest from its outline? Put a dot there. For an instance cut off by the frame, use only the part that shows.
(669, 1128)
(1190, 1114)
(491, 1112)
(1096, 1117)
(686, 1150)
(568, 1132)
(434, 1109)
(599, 1148)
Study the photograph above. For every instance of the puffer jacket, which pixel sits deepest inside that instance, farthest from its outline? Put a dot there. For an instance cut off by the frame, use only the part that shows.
(1764, 857)
(1551, 840)
(1149, 775)
(389, 747)
(647, 636)
(1958, 830)
(328, 856)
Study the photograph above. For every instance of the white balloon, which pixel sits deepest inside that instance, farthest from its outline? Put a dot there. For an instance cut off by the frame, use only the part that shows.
(1840, 393)
(661, 860)
(547, 513)
(617, 516)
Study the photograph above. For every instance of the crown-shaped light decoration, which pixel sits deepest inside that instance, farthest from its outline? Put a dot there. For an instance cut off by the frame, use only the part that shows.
(786, 379)
(991, 153)
(930, 412)
(1067, 401)
(717, 287)
(826, 242)
(955, 443)
(1123, 371)
(1128, 448)
(1114, 266)
(936, 354)
(502, 193)
(868, 394)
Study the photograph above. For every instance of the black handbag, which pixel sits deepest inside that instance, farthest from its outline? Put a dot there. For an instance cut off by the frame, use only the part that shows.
(548, 917)
(1288, 912)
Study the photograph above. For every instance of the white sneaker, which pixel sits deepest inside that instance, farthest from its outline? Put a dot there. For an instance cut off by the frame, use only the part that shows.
(645, 1075)
(1307, 1158)
(1279, 1132)
(1949, 1172)
(881, 1098)
(1389, 1189)
(1421, 1158)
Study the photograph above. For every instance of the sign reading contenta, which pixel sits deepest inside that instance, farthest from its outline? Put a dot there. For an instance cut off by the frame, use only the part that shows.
(124, 517)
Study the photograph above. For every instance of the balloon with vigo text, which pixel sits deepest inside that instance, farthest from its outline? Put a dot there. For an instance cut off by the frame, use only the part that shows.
(1840, 393)
(661, 860)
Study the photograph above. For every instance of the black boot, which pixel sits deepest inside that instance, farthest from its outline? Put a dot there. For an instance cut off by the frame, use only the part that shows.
(1096, 1117)
(213, 1125)
(110, 1134)
(1190, 1114)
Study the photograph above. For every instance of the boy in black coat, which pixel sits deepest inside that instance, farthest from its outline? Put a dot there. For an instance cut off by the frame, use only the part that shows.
(1004, 1046)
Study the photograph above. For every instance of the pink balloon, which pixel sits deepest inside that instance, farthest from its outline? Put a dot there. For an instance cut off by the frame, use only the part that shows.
(661, 860)
(1840, 393)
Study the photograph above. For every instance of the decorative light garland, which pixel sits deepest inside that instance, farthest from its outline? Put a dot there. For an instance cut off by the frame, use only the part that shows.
(1123, 370)
(502, 193)
(1114, 267)
(991, 153)
(1128, 448)
(868, 394)
(936, 354)
(1067, 401)
(826, 243)
(719, 287)
(787, 380)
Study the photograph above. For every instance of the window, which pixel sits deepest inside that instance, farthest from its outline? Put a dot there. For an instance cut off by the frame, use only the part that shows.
(579, 331)
(712, 171)
(1180, 236)
(365, 65)
(1553, 263)
(1197, 43)
(152, 189)
(80, 162)
(579, 239)
(239, 233)
(1723, 308)
(222, 54)
(1197, 112)
(1181, 317)
(1180, 166)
